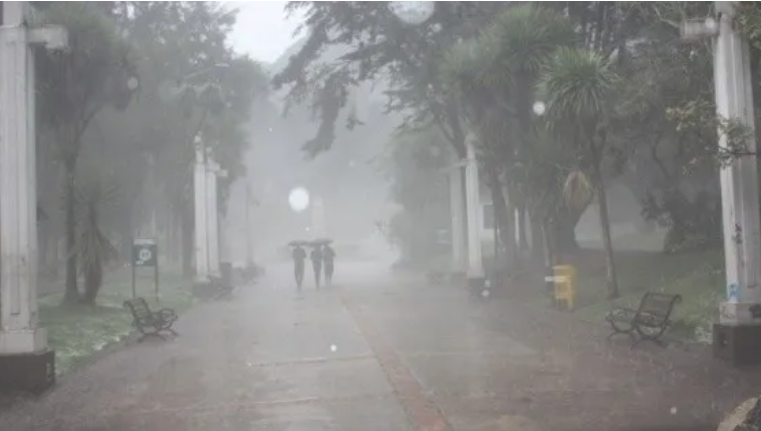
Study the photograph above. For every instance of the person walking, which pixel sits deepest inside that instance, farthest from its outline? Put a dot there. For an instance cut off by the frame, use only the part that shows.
(328, 255)
(316, 257)
(299, 256)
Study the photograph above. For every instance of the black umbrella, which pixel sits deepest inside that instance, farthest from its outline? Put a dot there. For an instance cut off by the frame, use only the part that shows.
(321, 241)
(299, 243)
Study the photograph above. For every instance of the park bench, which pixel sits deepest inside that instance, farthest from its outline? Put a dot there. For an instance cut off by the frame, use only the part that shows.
(646, 323)
(150, 323)
(221, 287)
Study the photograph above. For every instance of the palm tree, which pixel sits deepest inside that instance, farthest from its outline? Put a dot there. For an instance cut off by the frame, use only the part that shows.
(579, 86)
(495, 75)
(76, 84)
(93, 249)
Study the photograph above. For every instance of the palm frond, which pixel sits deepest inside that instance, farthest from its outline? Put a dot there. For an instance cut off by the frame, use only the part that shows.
(576, 85)
(522, 39)
(464, 66)
(577, 190)
(94, 249)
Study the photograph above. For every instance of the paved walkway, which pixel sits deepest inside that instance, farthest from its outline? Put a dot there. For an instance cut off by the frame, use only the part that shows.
(377, 353)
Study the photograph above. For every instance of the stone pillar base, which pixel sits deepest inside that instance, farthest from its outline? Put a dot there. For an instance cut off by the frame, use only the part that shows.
(23, 341)
(27, 372)
(737, 344)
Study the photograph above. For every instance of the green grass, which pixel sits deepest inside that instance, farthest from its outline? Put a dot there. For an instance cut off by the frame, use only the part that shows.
(697, 277)
(76, 332)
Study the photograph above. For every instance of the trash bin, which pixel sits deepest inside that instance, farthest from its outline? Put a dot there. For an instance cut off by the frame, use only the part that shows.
(565, 285)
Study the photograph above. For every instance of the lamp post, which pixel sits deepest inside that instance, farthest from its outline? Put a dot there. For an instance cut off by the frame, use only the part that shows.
(25, 360)
(739, 316)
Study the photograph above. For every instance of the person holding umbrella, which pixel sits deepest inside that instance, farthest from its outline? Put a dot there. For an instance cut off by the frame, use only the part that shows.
(299, 256)
(328, 254)
(316, 257)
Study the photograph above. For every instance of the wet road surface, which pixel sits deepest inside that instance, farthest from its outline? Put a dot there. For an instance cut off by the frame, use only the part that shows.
(377, 352)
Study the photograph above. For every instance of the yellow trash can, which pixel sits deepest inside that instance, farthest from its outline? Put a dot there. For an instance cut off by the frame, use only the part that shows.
(565, 285)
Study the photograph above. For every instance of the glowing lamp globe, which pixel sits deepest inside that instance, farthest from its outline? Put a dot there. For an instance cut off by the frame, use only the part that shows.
(298, 199)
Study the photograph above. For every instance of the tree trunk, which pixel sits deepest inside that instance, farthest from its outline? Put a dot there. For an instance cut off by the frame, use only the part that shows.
(523, 213)
(93, 283)
(71, 294)
(187, 243)
(544, 238)
(563, 230)
(538, 241)
(502, 218)
(602, 202)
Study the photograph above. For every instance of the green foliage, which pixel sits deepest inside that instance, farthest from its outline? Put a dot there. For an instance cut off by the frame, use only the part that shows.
(576, 85)
(145, 145)
(415, 164)
(77, 82)
(578, 190)
(747, 21)
(522, 39)
(93, 249)
(349, 43)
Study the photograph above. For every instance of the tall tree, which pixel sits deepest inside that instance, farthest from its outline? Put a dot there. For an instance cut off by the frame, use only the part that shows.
(181, 49)
(76, 84)
(579, 87)
(494, 75)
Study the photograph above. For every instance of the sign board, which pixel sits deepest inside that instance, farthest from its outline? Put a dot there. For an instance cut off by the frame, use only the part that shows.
(145, 253)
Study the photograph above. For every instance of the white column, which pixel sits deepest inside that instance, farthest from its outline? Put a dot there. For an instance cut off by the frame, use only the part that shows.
(212, 214)
(19, 333)
(457, 212)
(201, 224)
(739, 181)
(473, 209)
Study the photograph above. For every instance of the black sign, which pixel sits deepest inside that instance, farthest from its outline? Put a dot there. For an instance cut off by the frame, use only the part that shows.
(144, 253)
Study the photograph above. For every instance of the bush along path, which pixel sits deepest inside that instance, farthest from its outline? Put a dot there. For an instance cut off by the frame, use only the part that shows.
(78, 332)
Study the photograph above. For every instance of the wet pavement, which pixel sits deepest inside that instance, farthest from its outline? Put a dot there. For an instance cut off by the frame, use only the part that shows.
(378, 352)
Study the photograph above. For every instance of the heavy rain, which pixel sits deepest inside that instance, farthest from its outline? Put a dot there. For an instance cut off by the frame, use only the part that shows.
(379, 216)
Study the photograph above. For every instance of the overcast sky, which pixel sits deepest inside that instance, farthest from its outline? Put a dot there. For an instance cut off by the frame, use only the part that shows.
(263, 31)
